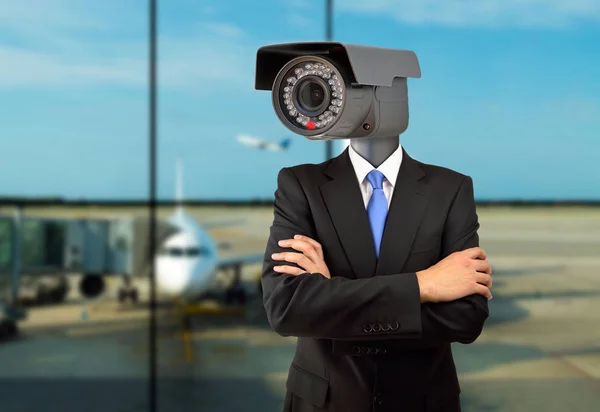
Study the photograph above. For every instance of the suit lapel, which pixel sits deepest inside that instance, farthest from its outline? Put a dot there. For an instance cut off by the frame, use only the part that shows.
(407, 209)
(345, 205)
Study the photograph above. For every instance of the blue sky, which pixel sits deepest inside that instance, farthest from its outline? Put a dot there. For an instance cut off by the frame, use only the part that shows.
(510, 93)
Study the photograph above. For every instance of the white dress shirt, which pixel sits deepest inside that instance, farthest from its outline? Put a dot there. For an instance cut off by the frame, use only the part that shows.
(389, 169)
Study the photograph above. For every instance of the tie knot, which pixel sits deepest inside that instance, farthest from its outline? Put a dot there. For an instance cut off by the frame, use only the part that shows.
(375, 177)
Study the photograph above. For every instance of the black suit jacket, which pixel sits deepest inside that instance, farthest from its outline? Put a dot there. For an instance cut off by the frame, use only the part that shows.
(365, 342)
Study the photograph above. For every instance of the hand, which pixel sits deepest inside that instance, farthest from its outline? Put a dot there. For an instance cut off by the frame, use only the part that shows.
(461, 274)
(311, 259)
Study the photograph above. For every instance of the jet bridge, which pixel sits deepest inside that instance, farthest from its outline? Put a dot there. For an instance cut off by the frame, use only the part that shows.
(10, 312)
(43, 250)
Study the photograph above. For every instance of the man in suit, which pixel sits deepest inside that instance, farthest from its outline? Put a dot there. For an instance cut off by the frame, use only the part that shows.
(374, 310)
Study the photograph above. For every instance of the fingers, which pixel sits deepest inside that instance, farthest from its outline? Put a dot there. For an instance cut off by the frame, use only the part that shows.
(475, 253)
(291, 270)
(483, 291)
(314, 243)
(483, 279)
(299, 258)
(302, 246)
(482, 266)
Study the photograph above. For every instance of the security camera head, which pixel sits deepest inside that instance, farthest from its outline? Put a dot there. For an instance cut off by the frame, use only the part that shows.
(329, 90)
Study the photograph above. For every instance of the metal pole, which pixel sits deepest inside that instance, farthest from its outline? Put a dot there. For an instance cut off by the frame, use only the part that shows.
(152, 76)
(328, 37)
(329, 20)
(18, 229)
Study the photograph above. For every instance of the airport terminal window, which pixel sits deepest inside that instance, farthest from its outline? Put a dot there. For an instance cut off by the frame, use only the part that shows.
(42, 243)
(54, 240)
(121, 244)
(32, 244)
(6, 243)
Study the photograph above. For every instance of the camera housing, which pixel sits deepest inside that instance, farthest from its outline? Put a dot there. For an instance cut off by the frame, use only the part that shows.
(331, 90)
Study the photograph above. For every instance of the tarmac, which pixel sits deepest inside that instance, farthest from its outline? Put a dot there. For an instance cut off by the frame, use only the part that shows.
(540, 349)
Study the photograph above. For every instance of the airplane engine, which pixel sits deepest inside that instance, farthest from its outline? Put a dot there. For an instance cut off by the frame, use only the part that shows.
(92, 285)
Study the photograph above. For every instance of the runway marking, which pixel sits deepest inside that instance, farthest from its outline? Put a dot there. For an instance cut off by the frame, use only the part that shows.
(588, 365)
(101, 329)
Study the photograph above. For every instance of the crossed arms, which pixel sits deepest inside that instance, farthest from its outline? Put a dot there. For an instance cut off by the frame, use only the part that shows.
(445, 303)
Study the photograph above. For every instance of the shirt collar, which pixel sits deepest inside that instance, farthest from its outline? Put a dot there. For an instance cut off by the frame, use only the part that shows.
(389, 168)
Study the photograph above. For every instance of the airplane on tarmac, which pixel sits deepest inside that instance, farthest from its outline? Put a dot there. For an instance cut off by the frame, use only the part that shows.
(187, 261)
(264, 144)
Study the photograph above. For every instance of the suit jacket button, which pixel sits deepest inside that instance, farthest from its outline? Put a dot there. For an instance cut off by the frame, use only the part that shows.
(364, 350)
(372, 351)
(377, 327)
(378, 399)
(394, 325)
(368, 328)
(385, 327)
(383, 351)
(356, 350)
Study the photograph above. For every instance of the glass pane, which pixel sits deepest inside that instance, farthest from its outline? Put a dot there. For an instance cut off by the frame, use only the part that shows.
(220, 141)
(510, 96)
(7, 243)
(74, 86)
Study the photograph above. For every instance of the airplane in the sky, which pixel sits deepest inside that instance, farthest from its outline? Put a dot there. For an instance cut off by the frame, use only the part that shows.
(263, 144)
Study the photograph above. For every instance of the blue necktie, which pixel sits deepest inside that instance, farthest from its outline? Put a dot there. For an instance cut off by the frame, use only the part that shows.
(377, 208)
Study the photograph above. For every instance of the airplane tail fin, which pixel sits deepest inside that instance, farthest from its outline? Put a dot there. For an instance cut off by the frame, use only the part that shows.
(179, 186)
(285, 143)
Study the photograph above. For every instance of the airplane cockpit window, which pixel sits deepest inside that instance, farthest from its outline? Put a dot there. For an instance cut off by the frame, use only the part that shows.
(187, 252)
(175, 251)
(196, 251)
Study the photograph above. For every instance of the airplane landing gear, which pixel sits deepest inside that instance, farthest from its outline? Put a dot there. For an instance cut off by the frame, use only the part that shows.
(47, 290)
(127, 291)
(125, 294)
(8, 329)
(236, 294)
(8, 321)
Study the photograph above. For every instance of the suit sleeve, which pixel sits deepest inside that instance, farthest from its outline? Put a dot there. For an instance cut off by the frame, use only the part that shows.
(310, 305)
(461, 320)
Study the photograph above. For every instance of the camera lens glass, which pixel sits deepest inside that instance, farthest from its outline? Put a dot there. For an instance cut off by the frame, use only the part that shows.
(312, 96)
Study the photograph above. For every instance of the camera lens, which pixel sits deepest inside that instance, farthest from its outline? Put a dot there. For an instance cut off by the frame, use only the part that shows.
(311, 96)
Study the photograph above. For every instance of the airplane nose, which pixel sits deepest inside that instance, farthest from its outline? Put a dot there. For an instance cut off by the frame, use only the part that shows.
(171, 280)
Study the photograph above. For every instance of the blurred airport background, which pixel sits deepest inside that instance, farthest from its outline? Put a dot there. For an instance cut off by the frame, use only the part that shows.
(509, 95)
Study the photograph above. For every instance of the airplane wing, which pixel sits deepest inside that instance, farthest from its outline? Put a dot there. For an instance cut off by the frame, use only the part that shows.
(229, 262)
(248, 140)
(274, 147)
